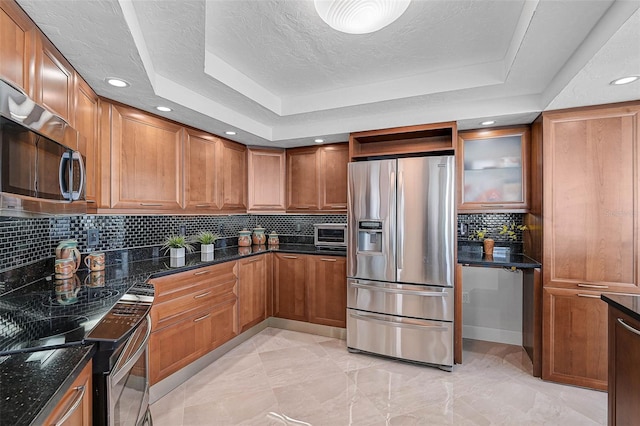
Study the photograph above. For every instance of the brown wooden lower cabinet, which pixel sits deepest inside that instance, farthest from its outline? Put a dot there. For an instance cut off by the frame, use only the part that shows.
(290, 290)
(327, 290)
(574, 333)
(252, 291)
(624, 369)
(77, 402)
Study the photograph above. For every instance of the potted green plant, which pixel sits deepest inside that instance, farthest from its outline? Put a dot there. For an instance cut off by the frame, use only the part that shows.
(176, 245)
(207, 241)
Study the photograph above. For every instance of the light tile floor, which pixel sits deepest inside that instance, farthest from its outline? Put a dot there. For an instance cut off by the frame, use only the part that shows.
(281, 377)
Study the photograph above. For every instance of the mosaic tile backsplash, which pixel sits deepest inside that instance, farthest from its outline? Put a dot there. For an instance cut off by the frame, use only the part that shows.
(24, 241)
(492, 223)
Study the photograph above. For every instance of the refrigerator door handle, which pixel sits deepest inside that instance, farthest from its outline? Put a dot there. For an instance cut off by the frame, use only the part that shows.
(400, 291)
(400, 222)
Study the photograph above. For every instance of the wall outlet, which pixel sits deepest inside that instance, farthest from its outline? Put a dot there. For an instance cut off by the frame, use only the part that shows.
(465, 297)
(93, 237)
(182, 230)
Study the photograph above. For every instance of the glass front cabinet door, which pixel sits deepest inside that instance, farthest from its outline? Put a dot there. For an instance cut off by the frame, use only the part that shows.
(493, 170)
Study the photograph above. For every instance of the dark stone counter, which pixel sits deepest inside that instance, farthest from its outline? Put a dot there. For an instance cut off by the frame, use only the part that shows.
(511, 260)
(32, 384)
(628, 304)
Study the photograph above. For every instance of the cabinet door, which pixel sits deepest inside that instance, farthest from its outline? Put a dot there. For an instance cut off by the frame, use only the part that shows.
(146, 161)
(327, 288)
(574, 338)
(493, 170)
(86, 123)
(223, 323)
(232, 169)
(624, 369)
(289, 286)
(333, 184)
(591, 199)
(302, 179)
(201, 177)
(17, 37)
(177, 346)
(252, 291)
(54, 80)
(266, 168)
(76, 413)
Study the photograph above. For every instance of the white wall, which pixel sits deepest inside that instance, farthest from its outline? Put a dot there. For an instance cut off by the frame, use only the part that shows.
(492, 305)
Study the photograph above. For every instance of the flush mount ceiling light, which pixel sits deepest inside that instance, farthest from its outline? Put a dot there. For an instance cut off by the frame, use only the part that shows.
(319, 140)
(163, 108)
(488, 123)
(230, 133)
(360, 16)
(625, 80)
(116, 82)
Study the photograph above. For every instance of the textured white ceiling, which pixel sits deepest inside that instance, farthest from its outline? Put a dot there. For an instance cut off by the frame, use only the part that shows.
(274, 72)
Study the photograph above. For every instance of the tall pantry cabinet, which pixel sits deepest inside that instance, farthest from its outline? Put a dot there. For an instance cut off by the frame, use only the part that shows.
(591, 206)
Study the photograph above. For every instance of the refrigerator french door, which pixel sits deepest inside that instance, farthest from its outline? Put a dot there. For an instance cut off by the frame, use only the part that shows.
(400, 263)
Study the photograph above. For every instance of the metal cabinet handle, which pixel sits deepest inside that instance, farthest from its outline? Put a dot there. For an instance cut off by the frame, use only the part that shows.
(592, 285)
(202, 272)
(324, 259)
(628, 327)
(338, 207)
(80, 390)
(491, 205)
(400, 291)
(593, 296)
(302, 207)
(202, 295)
(290, 257)
(201, 318)
(257, 259)
(202, 205)
(150, 205)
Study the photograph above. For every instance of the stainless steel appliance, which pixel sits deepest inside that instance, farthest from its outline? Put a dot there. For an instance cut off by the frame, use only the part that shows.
(330, 235)
(400, 262)
(39, 172)
(121, 363)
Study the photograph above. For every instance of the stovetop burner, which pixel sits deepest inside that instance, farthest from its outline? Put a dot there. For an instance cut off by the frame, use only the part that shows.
(85, 296)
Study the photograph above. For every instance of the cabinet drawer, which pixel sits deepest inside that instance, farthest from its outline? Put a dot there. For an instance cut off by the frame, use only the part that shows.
(598, 286)
(201, 297)
(173, 286)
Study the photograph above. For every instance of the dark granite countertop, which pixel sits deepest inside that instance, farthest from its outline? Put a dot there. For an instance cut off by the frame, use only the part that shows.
(628, 304)
(32, 384)
(510, 260)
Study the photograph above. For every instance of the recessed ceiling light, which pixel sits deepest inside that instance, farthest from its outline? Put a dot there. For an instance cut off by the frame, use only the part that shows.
(488, 123)
(319, 140)
(230, 133)
(116, 82)
(163, 108)
(625, 80)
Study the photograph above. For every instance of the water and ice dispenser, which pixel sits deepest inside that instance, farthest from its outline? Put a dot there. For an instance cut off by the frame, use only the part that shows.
(370, 237)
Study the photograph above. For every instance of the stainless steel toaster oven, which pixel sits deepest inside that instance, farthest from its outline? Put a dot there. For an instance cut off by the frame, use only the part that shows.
(330, 235)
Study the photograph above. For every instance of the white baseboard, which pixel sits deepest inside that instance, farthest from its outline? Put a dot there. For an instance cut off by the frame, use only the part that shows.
(492, 335)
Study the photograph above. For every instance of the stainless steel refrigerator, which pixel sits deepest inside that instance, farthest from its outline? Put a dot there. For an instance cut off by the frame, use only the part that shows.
(400, 263)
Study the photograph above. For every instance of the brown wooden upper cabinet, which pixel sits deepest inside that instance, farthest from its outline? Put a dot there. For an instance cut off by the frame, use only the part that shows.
(232, 176)
(146, 161)
(267, 180)
(54, 80)
(493, 170)
(17, 39)
(201, 160)
(86, 123)
(317, 178)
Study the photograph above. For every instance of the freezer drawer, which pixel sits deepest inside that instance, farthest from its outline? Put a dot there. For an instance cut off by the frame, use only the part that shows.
(406, 338)
(407, 300)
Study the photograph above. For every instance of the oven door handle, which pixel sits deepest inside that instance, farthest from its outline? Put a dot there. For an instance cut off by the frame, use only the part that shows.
(117, 375)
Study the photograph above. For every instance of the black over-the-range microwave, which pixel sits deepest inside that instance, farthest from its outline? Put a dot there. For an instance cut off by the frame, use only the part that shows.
(39, 172)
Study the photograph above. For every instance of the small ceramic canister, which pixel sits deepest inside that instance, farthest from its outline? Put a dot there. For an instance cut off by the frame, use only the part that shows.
(244, 239)
(259, 236)
(64, 268)
(273, 239)
(95, 261)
